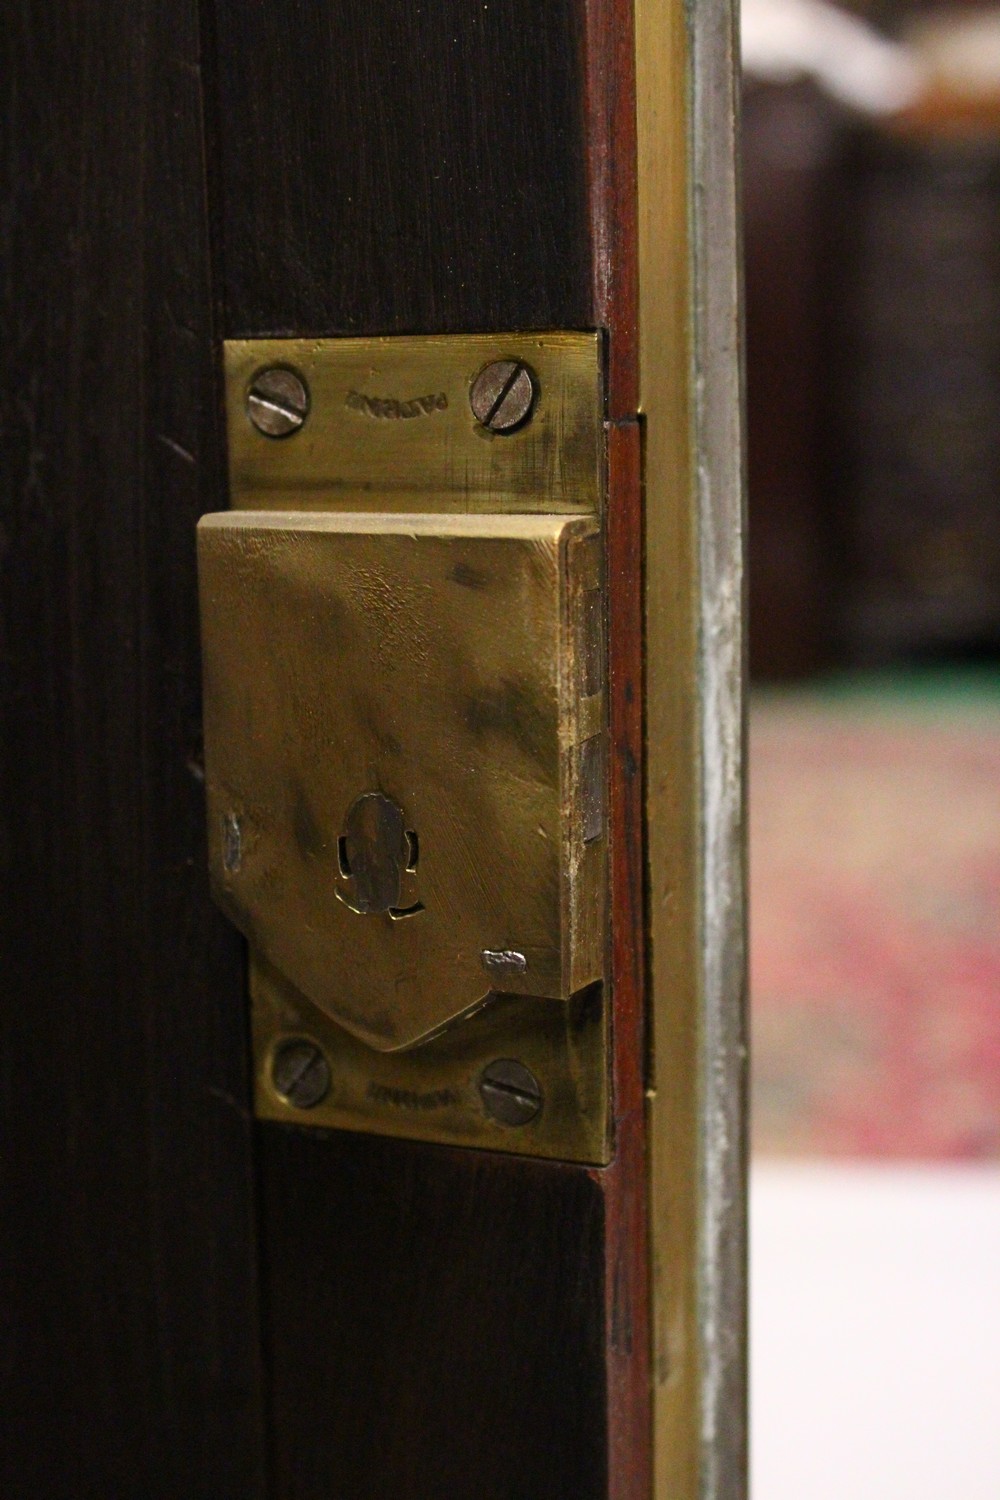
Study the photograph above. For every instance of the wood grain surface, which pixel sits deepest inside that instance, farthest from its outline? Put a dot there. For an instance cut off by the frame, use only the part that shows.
(444, 168)
(129, 1362)
(610, 143)
(434, 1323)
(389, 168)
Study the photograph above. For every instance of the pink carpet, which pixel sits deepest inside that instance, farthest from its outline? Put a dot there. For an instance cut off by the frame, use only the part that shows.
(875, 922)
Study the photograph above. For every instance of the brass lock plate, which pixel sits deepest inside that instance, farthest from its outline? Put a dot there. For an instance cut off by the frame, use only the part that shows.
(405, 775)
(405, 737)
(389, 426)
(436, 1092)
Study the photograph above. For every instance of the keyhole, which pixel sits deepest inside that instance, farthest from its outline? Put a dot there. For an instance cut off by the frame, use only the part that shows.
(374, 853)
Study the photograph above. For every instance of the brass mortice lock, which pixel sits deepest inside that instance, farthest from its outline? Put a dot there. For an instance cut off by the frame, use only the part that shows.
(405, 733)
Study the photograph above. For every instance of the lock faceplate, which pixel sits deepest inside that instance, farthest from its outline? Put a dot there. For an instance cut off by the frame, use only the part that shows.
(390, 426)
(405, 732)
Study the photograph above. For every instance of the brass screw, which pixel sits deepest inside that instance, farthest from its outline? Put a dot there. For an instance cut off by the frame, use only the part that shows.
(502, 395)
(510, 1092)
(300, 1073)
(277, 402)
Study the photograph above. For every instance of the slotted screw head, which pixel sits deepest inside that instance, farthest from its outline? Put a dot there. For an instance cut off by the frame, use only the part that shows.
(502, 395)
(277, 402)
(300, 1073)
(510, 1092)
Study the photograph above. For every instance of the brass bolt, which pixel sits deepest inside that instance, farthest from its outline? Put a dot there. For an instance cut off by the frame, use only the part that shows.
(510, 1092)
(502, 395)
(277, 402)
(300, 1073)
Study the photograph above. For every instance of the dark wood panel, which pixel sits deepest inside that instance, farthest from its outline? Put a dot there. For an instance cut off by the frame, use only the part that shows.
(402, 168)
(436, 1322)
(441, 1323)
(127, 1286)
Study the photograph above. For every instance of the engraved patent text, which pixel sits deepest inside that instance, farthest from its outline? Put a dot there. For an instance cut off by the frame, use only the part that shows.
(388, 407)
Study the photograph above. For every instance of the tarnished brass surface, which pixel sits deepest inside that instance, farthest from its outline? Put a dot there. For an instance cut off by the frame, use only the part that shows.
(404, 741)
(673, 761)
(405, 731)
(431, 1092)
(390, 426)
(687, 77)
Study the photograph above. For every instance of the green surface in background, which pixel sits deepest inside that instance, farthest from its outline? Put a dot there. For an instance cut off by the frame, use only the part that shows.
(932, 687)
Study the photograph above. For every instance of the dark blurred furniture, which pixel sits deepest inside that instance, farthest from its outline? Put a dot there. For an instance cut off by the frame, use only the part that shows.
(873, 376)
(793, 142)
(919, 396)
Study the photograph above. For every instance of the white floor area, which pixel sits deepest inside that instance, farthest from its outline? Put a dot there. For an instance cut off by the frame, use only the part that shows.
(875, 1332)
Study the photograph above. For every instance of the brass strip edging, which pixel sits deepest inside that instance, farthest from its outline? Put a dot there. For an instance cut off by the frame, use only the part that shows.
(689, 404)
(672, 759)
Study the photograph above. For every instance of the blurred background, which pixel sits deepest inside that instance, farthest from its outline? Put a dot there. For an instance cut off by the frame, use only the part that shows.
(872, 227)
